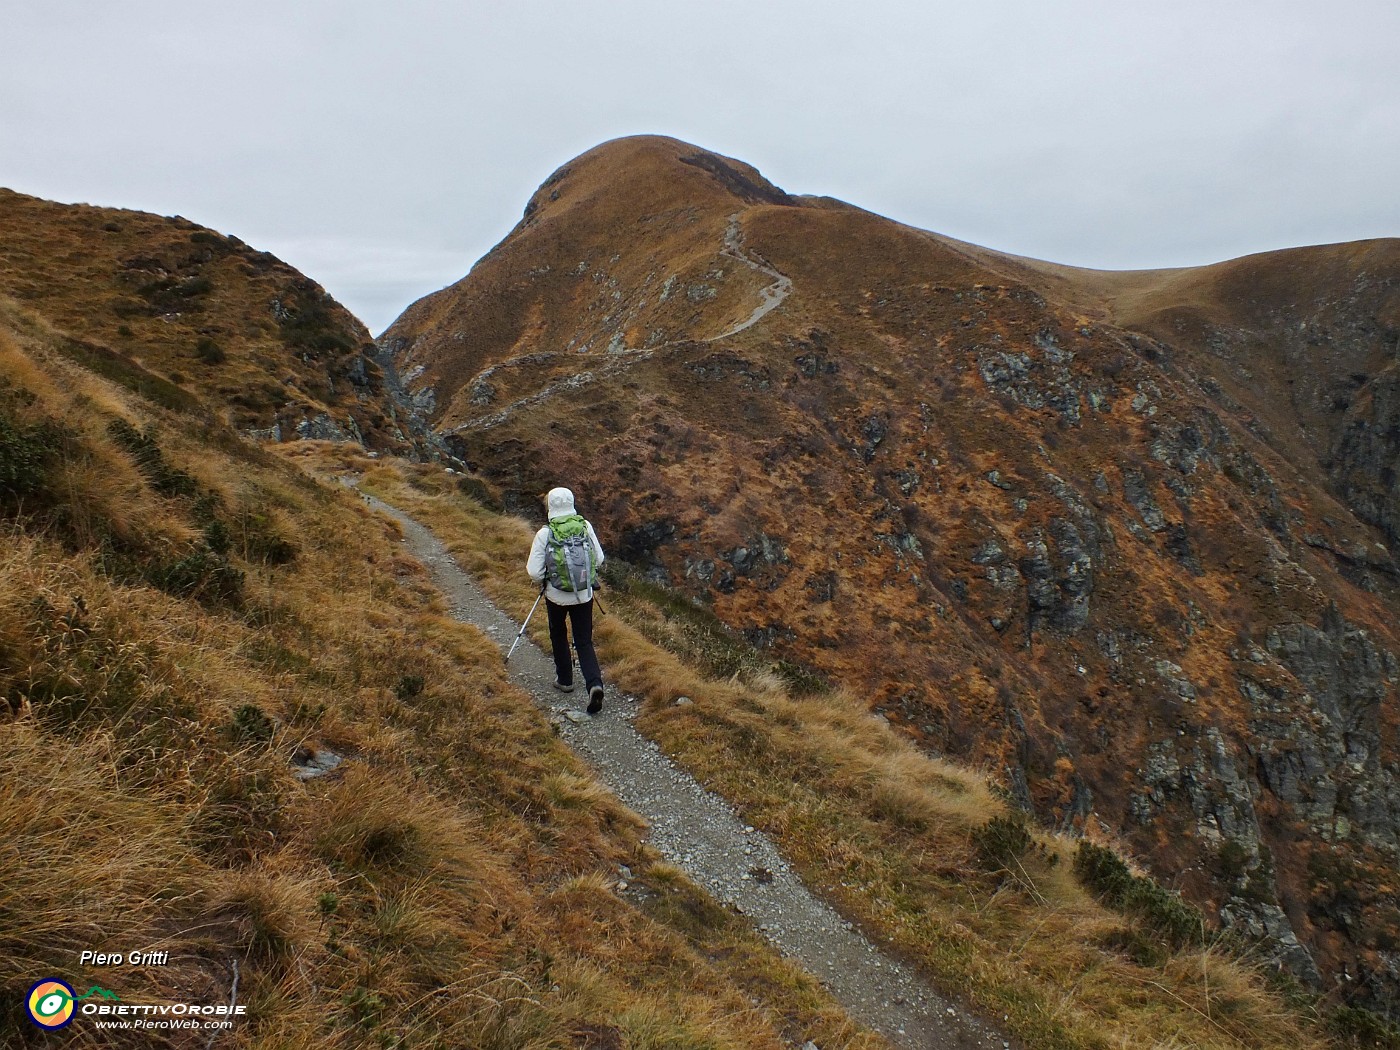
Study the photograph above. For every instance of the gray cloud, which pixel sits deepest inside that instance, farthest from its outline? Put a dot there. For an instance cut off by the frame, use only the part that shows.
(383, 148)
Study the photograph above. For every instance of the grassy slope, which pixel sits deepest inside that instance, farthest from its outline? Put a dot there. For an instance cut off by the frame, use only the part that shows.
(899, 840)
(871, 400)
(192, 315)
(180, 613)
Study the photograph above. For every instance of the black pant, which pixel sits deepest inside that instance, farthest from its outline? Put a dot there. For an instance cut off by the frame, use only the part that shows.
(582, 617)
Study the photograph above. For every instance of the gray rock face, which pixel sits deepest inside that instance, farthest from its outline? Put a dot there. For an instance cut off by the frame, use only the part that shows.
(1075, 580)
(1316, 696)
(872, 432)
(907, 480)
(1320, 751)
(989, 553)
(1205, 775)
(1137, 492)
(482, 392)
(639, 544)
(322, 428)
(701, 568)
(1004, 577)
(1038, 382)
(1057, 588)
(1042, 595)
(272, 433)
(358, 372)
(1187, 446)
(762, 550)
(1176, 679)
(1366, 459)
(1266, 924)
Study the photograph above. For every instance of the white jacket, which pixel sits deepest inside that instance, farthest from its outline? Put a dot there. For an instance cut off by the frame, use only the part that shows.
(535, 567)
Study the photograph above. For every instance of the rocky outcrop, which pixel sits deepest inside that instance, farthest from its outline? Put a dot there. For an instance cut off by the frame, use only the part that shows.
(1366, 460)
(1320, 749)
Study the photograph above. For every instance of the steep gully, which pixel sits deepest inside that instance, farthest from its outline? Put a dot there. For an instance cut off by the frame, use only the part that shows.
(701, 833)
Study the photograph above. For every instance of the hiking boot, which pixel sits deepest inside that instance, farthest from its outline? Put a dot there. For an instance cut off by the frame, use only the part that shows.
(569, 688)
(595, 699)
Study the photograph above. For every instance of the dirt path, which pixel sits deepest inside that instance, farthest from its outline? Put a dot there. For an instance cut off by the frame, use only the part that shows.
(615, 362)
(699, 832)
(771, 297)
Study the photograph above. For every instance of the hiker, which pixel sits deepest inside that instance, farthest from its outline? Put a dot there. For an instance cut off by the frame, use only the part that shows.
(565, 558)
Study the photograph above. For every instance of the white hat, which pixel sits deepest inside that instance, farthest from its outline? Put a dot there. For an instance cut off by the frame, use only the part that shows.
(560, 503)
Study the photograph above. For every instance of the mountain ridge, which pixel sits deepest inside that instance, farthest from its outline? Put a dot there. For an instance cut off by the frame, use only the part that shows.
(1079, 514)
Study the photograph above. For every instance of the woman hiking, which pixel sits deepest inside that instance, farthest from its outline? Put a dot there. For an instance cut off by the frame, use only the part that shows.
(564, 558)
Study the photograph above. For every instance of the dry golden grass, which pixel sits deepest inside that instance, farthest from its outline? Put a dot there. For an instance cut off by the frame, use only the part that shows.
(883, 830)
(452, 883)
(196, 319)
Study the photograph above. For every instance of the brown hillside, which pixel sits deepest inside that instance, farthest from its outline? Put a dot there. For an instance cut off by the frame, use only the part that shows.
(240, 726)
(1115, 536)
(194, 320)
(1307, 341)
(1303, 339)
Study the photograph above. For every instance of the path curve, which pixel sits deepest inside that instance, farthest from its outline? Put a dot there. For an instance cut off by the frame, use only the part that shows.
(700, 832)
(615, 362)
(772, 295)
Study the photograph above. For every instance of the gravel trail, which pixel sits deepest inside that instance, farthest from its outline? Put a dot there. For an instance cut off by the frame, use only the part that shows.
(700, 832)
(770, 297)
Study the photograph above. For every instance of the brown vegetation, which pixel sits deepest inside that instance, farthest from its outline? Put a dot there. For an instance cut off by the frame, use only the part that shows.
(910, 846)
(194, 319)
(452, 883)
(1047, 522)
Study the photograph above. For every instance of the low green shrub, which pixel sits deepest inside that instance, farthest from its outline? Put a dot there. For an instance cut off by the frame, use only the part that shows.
(1105, 874)
(409, 686)
(1001, 843)
(256, 539)
(166, 479)
(309, 324)
(202, 575)
(121, 369)
(1355, 1027)
(251, 725)
(26, 456)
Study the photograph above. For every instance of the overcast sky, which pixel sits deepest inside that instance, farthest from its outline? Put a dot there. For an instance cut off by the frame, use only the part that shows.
(383, 147)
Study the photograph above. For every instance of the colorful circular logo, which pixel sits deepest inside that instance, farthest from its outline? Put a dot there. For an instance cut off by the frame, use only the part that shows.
(51, 1003)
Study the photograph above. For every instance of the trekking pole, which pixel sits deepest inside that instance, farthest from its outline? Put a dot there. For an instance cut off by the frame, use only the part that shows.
(521, 634)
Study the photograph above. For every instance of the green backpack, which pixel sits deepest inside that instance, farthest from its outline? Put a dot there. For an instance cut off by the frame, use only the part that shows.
(570, 562)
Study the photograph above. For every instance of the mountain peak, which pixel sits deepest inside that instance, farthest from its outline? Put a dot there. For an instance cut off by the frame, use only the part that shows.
(1089, 521)
(652, 168)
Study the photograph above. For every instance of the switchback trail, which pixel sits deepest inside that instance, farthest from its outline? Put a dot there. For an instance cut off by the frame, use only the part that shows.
(700, 833)
(615, 362)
